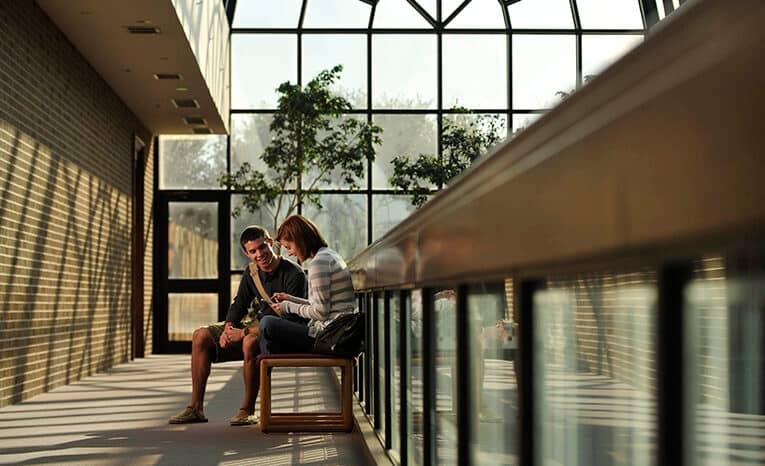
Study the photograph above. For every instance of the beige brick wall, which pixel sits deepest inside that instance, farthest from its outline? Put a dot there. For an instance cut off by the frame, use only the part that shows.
(65, 200)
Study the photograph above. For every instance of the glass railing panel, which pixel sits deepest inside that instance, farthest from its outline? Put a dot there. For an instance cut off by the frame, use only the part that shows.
(594, 370)
(725, 368)
(446, 428)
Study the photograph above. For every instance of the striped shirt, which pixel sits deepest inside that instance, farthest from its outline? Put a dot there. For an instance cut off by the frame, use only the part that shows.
(330, 291)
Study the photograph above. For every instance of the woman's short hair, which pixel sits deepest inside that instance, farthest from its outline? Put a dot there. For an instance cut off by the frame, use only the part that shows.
(303, 232)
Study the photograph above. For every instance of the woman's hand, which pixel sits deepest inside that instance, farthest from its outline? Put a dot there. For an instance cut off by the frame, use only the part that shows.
(278, 297)
(277, 308)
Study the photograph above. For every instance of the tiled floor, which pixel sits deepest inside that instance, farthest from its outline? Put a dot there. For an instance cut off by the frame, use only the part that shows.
(120, 417)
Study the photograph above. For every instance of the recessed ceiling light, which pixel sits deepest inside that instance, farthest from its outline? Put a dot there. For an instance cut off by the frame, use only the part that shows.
(181, 89)
(185, 103)
(142, 29)
(143, 21)
(168, 76)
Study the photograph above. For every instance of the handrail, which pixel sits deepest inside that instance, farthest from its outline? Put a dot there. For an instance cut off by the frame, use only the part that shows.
(664, 148)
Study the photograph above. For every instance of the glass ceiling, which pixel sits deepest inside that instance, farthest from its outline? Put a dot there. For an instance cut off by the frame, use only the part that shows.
(454, 14)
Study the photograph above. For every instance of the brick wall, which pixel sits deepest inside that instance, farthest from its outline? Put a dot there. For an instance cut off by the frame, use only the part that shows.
(66, 144)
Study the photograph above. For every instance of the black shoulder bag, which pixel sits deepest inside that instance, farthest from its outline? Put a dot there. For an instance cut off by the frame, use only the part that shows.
(344, 336)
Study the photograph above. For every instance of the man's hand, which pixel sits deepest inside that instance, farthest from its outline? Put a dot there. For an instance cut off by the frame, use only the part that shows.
(231, 335)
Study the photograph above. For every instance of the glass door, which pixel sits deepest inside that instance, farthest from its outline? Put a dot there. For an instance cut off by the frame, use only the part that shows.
(192, 268)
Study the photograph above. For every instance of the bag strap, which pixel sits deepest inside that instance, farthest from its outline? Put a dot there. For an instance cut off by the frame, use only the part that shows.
(256, 278)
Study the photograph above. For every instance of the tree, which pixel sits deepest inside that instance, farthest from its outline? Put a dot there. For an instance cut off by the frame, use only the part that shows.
(313, 142)
(464, 139)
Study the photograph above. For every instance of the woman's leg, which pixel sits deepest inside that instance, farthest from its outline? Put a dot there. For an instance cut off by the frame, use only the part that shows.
(279, 335)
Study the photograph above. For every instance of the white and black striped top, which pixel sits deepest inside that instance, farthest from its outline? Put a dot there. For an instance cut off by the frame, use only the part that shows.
(330, 291)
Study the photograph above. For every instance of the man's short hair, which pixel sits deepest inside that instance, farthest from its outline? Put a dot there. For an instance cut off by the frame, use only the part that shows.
(251, 233)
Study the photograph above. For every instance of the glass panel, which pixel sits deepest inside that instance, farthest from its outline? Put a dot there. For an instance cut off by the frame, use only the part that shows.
(263, 217)
(191, 162)
(479, 14)
(445, 315)
(343, 222)
(542, 67)
(598, 52)
(324, 51)
(336, 14)
(398, 14)
(493, 379)
(388, 210)
(267, 14)
(380, 361)
(475, 71)
(429, 6)
(464, 119)
(613, 14)
(192, 240)
(404, 71)
(235, 279)
(187, 312)
(259, 64)
(395, 361)
(336, 180)
(414, 395)
(541, 14)
(408, 135)
(448, 7)
(250, 135)
(595, 369)
(725, 335)
(522, 121)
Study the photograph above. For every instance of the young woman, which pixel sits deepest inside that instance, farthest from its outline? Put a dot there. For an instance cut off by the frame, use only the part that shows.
(330, 290)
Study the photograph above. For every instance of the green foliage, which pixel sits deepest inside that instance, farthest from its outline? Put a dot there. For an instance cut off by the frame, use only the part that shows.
(313, 141)
(464, 138)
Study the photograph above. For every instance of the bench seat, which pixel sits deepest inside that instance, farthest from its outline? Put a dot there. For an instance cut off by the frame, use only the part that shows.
(306, 422)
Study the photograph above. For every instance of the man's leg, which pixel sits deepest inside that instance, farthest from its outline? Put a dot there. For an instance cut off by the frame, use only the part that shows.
(202, 355)
(250, 372)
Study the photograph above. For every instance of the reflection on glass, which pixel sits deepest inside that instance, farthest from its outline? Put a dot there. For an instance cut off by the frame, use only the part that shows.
(475, 70)
(414, 395)
(543, 66)
(192, 240)
(408, 135)
(493, 378)
(398, 14)
(600, 51)
(725, 331)
(395, 361)
(336, 14)
(499, 120)
(324, 51)
(187, 312)
(541, 14)
(343, 222)
(380, 362)
(445, 315)
(479, 14)
(389, 210)
(259, 64)
(404, 71)
(613, 14)
(267, 14)
(191, 162)
(594, 367)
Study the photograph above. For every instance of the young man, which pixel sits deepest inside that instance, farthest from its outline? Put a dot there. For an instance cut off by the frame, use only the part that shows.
(234, 339)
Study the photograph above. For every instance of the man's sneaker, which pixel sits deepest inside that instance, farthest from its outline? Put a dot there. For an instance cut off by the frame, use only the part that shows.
(188, 416)
(242, 418)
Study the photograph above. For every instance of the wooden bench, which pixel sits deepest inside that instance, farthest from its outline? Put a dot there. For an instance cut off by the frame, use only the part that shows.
(306, 422)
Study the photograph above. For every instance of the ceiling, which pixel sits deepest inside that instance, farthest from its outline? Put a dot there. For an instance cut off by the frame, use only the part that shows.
(128, 62)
